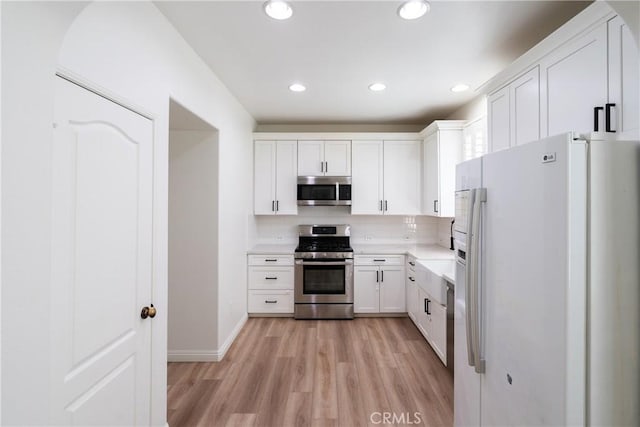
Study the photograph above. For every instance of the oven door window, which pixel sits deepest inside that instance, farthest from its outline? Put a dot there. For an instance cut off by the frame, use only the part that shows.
(316, 192)
(324, 280)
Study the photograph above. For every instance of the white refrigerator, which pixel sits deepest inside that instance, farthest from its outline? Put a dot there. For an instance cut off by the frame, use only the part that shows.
(547, 324)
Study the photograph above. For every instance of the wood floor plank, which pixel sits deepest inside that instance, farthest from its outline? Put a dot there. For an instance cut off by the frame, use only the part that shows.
(297, 411)
(286, 372)
(241, 420)
(325, 396)
(350, 406)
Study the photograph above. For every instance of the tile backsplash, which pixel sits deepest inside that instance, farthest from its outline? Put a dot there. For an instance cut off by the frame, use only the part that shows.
(378, 229)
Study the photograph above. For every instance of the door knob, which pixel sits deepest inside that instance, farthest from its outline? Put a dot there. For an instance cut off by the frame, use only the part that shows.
(148, 312)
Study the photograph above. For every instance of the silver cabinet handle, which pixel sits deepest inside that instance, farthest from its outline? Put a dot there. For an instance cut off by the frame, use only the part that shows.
(382, 276)
(326, 167)
(435, 206)
(274, 301)
(385, 206)
(380, 204)
(379, 260)
(277, 205)
(271, 260)
(321, 166)
(273, 205)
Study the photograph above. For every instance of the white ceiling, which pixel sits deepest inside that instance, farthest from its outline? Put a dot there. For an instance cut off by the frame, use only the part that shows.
(338, 48)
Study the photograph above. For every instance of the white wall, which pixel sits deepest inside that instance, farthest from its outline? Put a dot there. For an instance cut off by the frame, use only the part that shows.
(130, 50)
(193, 245)
(365, 229)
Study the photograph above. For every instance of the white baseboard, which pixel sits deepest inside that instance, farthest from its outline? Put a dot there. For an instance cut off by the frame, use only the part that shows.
(232, 336)
(207, 355)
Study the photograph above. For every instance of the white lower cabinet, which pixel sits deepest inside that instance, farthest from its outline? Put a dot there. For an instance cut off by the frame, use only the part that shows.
(379, 284)
(427, 311)
(270, 284)
(412, 288)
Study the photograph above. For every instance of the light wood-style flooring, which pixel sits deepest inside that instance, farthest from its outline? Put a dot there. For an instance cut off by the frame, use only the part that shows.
(285, 372)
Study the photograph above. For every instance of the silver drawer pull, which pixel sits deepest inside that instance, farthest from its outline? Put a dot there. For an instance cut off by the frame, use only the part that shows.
(271, 260)
(275, 301)
(379, 260)
(271, 278)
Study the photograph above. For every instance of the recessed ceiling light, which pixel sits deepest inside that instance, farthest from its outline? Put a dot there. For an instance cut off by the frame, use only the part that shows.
(278, 9)
(297, 87)
(460, 87)
(377, 87)
(413, 9)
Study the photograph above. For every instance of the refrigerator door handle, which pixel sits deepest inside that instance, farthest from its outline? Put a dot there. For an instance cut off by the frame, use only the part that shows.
(468, 278)
(479, 197)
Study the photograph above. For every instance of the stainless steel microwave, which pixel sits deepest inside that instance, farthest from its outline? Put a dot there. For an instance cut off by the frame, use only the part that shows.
(324, 190)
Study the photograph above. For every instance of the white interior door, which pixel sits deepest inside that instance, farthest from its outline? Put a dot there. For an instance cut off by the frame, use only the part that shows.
(101, 261)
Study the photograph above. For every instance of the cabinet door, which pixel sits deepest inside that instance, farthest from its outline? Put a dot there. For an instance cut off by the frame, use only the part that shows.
(423, 318)
(449, 155)
(575, 78)
(431, 174)
(264, 178)
(412, 299)
(624, 70)
(498, 109)
(337, 157)
(286, 178)
(366, 178)
(392, 290)
(310, 158)
(366, 290)
(525, 108)
(438, 330)
(402, 177)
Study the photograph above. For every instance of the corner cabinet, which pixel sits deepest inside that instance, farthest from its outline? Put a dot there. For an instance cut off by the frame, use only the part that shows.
(275, 178)
(442, 152)
(324, 158)
(385, 177)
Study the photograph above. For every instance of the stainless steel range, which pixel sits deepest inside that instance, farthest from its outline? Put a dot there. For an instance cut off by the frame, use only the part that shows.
(323, 273)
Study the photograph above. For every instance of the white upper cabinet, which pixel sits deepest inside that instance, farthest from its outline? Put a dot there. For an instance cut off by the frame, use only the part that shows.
(275, 178)
(514, 112)
(624, 72)
(367, 178)
(324, 158)
(386, 178)
(582, 78)
(575, 81)
(442, 152)
(401, 177)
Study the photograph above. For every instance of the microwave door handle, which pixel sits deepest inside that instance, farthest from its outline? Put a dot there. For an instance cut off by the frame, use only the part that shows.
(337, 191)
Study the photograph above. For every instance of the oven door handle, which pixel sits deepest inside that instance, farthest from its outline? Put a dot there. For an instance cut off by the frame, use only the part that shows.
(304, 262)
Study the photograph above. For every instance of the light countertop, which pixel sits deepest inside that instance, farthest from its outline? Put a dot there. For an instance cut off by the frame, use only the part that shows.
(267, 249)
(418, 251)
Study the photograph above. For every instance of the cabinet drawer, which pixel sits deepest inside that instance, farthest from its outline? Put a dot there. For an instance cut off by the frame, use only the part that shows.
(271, 259)
(271, 277)
(379, 260)
(270, 301)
